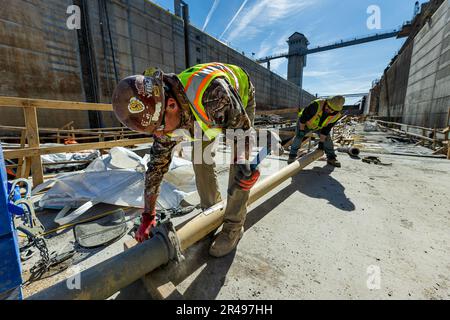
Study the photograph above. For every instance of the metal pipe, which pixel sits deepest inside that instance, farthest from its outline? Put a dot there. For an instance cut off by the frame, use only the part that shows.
(106, 278)
(103, 280)
(352, 151)
(212, 218)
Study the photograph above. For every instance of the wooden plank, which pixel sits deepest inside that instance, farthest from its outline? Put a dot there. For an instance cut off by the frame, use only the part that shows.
(160, 287)
(409, 126)
(129, 244)
(26, 168)
(286, 133)
(67, 125)
(23, 137)
(406, 133)
(32, 152)
(31, 123)
(52, 104)
(439, 150)
(277, 111)
(68, 131)
(47, 164)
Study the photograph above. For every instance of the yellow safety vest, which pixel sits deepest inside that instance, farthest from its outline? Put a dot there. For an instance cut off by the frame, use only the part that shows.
(313, 123)
(198, 78)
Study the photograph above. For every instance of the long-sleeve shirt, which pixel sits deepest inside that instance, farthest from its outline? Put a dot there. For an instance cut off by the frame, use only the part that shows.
(222, 104)
(309, 113)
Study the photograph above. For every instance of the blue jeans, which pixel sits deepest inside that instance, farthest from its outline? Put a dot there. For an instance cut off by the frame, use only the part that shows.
(328, 144)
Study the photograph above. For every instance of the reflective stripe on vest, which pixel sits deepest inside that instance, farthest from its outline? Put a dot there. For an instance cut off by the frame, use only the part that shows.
(313, 123)
(198, 78)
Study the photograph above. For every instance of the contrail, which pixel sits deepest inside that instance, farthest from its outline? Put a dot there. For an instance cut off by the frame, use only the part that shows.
(234, 18)
(210, 13)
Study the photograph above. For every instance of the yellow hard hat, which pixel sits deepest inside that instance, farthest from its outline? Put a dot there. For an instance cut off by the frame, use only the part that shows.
(336, 103)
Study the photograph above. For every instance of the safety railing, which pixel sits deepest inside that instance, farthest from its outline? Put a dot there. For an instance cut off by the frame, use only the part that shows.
(30, 151)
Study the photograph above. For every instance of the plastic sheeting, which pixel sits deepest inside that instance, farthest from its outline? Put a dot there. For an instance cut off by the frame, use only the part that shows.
(118, 179)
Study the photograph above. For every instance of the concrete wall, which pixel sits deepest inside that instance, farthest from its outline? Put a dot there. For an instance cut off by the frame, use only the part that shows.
(393, 86)
(39, 59)
(428, 94)
(40, 56)
(415, 88)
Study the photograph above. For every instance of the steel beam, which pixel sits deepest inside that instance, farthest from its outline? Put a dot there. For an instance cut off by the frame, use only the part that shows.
(337, 45)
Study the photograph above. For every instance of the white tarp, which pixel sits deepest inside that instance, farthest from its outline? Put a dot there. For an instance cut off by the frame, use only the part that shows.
(118, 179)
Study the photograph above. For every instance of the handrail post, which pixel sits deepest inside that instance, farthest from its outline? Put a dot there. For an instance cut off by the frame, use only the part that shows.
(31, 123)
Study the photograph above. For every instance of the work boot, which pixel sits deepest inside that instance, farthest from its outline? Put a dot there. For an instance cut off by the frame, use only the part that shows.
(225, 242)
(291, 159)
(334, 163)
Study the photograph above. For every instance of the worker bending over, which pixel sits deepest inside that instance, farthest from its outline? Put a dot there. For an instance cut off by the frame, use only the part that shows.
(320, 116)
(216, 96)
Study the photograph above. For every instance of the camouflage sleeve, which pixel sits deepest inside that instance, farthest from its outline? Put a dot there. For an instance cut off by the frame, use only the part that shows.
(223, 105)
(160, 159)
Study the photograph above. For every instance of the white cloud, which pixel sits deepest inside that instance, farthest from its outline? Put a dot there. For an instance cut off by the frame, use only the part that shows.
(316, 74)
(234, 18)
(265, 13)
(274, 43)
(210, 13)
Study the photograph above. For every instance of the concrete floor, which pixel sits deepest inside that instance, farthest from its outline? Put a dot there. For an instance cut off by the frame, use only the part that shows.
(325, 233)
(328, 233)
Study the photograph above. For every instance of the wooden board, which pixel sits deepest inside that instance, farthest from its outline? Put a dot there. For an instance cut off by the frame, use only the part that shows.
(277, 111)
(31, 123)
(36, 151)
(52, 104)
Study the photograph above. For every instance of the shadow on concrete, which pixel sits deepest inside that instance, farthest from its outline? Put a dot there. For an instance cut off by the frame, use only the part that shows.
(318, 183)
(211, 279)
(315, 183)
(135, 291)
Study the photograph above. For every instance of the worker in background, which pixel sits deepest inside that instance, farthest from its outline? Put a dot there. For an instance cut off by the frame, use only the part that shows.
(320, 116)
(216, 96)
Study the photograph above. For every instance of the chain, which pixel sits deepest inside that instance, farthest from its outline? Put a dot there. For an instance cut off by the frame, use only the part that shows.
(174, 212)
(44, 263)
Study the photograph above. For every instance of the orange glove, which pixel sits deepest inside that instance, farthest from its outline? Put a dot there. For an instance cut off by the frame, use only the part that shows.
(245, 178)
(148, 222)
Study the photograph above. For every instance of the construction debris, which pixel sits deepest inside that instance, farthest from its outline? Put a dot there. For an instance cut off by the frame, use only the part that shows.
(104, 181)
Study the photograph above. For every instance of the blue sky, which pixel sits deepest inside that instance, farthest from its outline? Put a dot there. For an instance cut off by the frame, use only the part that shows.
(263, 26)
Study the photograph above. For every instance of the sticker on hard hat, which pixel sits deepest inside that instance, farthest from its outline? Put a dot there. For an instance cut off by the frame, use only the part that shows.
(139, 83)
(135, 106)
(145, 122)
(144, 86)
(156, 92)
(157, 111)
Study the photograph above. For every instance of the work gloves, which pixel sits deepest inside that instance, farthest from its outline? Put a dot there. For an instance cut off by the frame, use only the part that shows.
(148, 222)
(245, 177)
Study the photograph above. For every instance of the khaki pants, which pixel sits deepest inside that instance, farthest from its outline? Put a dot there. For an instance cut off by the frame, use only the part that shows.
(208, 188)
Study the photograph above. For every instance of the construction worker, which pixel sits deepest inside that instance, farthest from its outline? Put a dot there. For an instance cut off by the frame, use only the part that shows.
(216, 96)
(320, 116)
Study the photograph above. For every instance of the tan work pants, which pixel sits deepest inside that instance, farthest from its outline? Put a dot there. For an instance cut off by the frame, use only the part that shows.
(208, 188)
